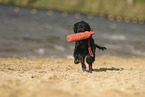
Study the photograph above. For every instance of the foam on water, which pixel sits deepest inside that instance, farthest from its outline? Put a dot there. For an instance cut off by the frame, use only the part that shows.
(59, 47)
(69, 57)
(114, 37)
(40, 51)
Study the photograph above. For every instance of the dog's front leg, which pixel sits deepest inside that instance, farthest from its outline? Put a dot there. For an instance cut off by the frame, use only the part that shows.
(83, 64)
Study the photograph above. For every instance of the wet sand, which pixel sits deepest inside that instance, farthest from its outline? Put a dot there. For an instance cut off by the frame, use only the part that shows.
(112, 77)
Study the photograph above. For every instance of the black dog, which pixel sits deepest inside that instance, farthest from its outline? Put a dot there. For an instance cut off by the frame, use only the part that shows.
(82, 47)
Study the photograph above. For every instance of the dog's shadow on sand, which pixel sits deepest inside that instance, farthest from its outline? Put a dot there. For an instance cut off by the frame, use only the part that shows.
(107, 69)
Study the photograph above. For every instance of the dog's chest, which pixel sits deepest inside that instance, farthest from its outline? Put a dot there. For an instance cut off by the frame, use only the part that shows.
(83, 49)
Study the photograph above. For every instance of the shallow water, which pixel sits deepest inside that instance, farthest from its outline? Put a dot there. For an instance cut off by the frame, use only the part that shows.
(39, 35)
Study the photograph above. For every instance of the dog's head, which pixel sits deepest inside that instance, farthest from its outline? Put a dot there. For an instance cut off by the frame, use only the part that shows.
(81, 27)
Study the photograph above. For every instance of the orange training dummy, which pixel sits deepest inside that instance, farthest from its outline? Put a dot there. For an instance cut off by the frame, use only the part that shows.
(79, 36)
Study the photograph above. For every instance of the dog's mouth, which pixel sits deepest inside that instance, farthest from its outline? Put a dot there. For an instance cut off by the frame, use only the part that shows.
(81, 31)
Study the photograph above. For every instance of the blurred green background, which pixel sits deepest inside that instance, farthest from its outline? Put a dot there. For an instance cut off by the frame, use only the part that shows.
(129, 8)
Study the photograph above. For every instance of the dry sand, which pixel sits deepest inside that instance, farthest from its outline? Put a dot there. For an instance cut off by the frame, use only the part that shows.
(112, 77)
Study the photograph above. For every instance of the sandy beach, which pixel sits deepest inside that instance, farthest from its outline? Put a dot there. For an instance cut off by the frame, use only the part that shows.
(112, 77)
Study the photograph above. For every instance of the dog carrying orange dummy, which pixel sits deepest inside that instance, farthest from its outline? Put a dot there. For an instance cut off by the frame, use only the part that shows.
(79, 36)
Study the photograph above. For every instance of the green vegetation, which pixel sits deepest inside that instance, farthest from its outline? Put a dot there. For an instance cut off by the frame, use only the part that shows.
(130, 8)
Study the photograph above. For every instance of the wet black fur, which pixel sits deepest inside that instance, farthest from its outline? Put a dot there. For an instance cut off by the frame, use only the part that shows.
(81, 47)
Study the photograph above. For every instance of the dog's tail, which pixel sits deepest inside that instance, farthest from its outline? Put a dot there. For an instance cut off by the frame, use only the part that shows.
(101, 48)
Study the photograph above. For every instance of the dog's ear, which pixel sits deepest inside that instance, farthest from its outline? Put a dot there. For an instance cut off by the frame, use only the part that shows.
(75, 28)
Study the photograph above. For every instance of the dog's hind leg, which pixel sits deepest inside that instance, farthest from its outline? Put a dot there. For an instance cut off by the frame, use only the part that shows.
(83, 64)
(90, 60)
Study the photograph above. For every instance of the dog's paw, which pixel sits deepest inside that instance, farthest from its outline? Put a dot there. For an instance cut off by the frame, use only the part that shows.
(84, 69)
(76, 61)
(90, 71)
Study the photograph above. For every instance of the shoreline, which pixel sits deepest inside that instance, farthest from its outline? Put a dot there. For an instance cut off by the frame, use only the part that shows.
(113, 9)
(61, 77)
